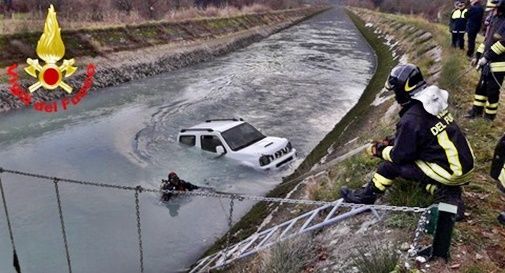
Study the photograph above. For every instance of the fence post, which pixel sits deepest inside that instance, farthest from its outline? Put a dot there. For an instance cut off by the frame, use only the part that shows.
(443, 234)
(441, 226)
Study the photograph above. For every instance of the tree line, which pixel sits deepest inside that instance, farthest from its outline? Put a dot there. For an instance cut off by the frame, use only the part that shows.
(150, 9)
(435, 10)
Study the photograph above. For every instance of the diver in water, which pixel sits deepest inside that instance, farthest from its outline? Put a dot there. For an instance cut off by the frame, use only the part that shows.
(174, 183)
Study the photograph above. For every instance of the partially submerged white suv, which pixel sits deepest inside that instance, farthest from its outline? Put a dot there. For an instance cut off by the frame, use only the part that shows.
(240, 141)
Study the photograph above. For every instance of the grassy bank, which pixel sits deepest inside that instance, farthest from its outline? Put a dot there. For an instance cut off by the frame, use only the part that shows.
(341, 133)
(15, 48)
(130, 53)
(105, 17)
(478, 241)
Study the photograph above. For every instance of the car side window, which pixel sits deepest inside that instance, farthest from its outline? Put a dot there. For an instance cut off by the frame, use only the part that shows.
(188, 140)
(209, 143)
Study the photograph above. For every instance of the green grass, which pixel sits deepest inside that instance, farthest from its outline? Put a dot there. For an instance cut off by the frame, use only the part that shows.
(408, 193)
(353, 172)
(17, 16)
(450, 70)
(481, 197)
(375, 258)
(289, 257)
(480, 268)
(106, 38)
(402, 221)
(357, 170)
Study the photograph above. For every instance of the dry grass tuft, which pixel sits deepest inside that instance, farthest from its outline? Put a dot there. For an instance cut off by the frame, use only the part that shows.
(30, 22)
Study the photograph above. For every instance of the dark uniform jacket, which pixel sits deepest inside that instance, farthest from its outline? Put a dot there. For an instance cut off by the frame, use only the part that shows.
(487, 25)
(458, 20)
(498, 165)
(494, 44)
(434, 143)
(475, 15)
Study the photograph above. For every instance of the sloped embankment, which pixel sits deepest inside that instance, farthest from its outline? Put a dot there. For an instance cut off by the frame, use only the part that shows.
(478, 240)
(338, 249)
(128, 53)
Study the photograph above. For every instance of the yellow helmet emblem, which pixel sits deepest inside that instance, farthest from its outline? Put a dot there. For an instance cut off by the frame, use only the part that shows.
(409, 88)
(51, 50)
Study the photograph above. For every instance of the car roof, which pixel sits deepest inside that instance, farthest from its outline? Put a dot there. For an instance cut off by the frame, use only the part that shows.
(217, 125)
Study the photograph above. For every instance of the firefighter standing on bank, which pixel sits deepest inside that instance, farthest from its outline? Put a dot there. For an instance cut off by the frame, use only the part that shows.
(457, 24)
(475, 17)
(489, 13)
(498, 171)
(491, 59)
(428, 146)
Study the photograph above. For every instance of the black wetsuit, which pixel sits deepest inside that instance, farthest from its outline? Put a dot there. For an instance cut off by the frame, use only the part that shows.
(181, 186)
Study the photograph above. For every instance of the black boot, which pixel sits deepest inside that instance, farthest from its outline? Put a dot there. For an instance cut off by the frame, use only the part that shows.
(476, 112)
(489, 117)
(366, 195)
(451, 195)
(501, 218)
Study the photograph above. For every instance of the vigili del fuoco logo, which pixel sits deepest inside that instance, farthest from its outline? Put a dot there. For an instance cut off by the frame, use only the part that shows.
(48, 74)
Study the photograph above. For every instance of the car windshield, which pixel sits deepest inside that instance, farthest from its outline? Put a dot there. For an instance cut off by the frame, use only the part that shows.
(242, 136)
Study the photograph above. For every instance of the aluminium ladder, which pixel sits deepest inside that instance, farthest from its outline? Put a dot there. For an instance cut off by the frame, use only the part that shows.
(309, 221)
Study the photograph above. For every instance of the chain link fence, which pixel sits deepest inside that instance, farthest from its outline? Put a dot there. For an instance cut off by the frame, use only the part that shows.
(204, 194)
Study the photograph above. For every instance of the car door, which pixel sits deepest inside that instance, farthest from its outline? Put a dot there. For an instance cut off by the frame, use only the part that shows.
(210, 142)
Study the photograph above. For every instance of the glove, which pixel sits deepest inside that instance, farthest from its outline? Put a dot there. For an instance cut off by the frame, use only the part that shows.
(376, 148)
(482, 62)
(389, 141)
(474, 62)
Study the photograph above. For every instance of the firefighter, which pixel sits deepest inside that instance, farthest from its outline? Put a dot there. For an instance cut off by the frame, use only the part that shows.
(428, 146)
(498, 171)
(491, 59)
(475, 17)
(457, 24)
(490, 12)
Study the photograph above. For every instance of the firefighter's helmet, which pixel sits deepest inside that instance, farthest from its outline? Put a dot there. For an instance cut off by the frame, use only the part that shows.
(490, 5)
(405, 80)
(498, 4)
(459, 4)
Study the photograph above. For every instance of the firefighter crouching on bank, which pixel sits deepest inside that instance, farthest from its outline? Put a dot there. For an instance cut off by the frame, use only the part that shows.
(498, 171)
(491, 59)
(428, 146)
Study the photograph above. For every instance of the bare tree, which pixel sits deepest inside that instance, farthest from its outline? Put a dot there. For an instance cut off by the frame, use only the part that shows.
(8, 8)
(124, 5)
(58, 4)
(377, 3)
(152, 9)
(177, 4)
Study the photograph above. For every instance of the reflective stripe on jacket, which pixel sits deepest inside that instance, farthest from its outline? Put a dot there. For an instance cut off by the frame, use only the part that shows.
(434, 143)
(458, 20)
(494, 44)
